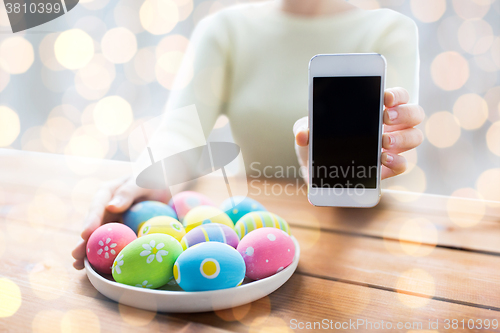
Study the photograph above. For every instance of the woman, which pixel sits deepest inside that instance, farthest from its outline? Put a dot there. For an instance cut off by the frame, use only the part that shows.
(250, 63)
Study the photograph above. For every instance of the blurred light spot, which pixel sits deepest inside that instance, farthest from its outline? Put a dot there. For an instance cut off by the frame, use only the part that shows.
(144, 64)
(74, 48)
(310, 238)
(415, 281)
(80, 321)
(185, 8)
(271, 324)
(487, 184)
(449, 70)
(49, 279)
(47, 55)
(470, 9)
(92, 25)
(222, 121)
(2, 237)
(16, 55)
(234, 314)
(87, 141)
(475, 36)
(60, 127)
(471, 111)
(41, 209)
(411, 159)
(259, 312)
(413, 181)
(495, 52)
(463, 211)
(10, 127)
(10, 298)
(94, 80)
(119, 45)
(113, 115)
(134, 316)
(4, 19)
(442, 129)
(366, 4)
(493, 138)
(485, 62)
(47, 321)
(126, 15)
(428, 10)
(492, 98)
(159, 16)
(413, 233)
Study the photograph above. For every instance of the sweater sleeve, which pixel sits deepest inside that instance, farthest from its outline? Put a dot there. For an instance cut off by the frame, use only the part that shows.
(398, 43)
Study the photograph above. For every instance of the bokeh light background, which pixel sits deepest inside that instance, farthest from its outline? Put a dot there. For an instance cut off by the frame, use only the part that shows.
(79, 84)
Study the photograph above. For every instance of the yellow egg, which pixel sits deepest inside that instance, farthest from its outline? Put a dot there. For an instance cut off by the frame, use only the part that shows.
(206, 214)
(163, 225)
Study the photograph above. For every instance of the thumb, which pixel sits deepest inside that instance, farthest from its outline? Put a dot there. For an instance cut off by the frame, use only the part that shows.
(123, 197)
(301, 133)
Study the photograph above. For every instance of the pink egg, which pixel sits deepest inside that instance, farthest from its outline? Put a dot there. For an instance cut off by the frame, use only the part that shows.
(105, 243)
(183, 202)
(266, 251)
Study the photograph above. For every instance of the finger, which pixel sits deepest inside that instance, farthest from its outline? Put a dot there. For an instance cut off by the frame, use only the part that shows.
(403, 116)
(396, 96)
(302, 138)
(400, 141)
(392, 165)
(78, 264)
(301, 131)
(79, 251)
(123, 197)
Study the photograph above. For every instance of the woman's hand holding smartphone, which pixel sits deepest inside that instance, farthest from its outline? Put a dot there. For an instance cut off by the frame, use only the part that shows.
(348, 153)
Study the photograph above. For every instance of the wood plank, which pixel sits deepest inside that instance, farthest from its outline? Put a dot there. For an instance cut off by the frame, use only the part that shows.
(51, 290)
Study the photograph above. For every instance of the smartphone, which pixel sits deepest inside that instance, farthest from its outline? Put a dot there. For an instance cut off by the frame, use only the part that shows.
(346, 103)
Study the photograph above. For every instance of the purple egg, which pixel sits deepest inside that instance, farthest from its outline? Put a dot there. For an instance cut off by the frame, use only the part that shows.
(211, 232)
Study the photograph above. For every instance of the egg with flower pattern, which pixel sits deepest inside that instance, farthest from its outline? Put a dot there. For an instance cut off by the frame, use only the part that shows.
(147, 261)
(256, 220)
(139, 213)
(209, 266)
(266, 251)
(163, 225)
(211, 232)
(105, 243)
(184, 201)
(238, 206)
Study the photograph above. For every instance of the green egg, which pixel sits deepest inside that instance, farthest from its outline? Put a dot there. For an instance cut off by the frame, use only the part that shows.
(147, 262)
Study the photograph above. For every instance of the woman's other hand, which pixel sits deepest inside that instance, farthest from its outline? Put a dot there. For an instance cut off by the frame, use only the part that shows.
(399, 135)
(112, 199)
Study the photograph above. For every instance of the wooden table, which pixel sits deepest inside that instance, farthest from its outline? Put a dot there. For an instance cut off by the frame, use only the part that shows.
(412, 259)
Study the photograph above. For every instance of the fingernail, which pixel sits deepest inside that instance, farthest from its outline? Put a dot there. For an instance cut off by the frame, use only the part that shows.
(391, 140)
(116, 202)
(389, 158)
(393, 98)
(392, 114)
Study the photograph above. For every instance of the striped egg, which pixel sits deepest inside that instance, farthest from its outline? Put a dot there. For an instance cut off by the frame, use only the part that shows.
(238, 206)
(256, 220)
(212, 232)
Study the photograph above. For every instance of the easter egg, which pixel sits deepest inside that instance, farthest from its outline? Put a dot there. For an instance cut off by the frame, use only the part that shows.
(163, 225)
(143, 211)
(209, 266)
(211, 232)
(205, 214)
(183, 202)
(105, 243)
(255, 220)
(266, 251)
(236, 207)
(147, 262)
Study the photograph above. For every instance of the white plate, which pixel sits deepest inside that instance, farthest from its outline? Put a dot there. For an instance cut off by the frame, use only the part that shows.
(175, 300)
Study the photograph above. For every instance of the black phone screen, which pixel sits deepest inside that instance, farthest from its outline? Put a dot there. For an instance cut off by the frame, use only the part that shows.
(346, 115)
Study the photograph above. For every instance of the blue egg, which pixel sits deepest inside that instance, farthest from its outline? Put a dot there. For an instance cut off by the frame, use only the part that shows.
(209, 266)
(238, 206)
(139, 213)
